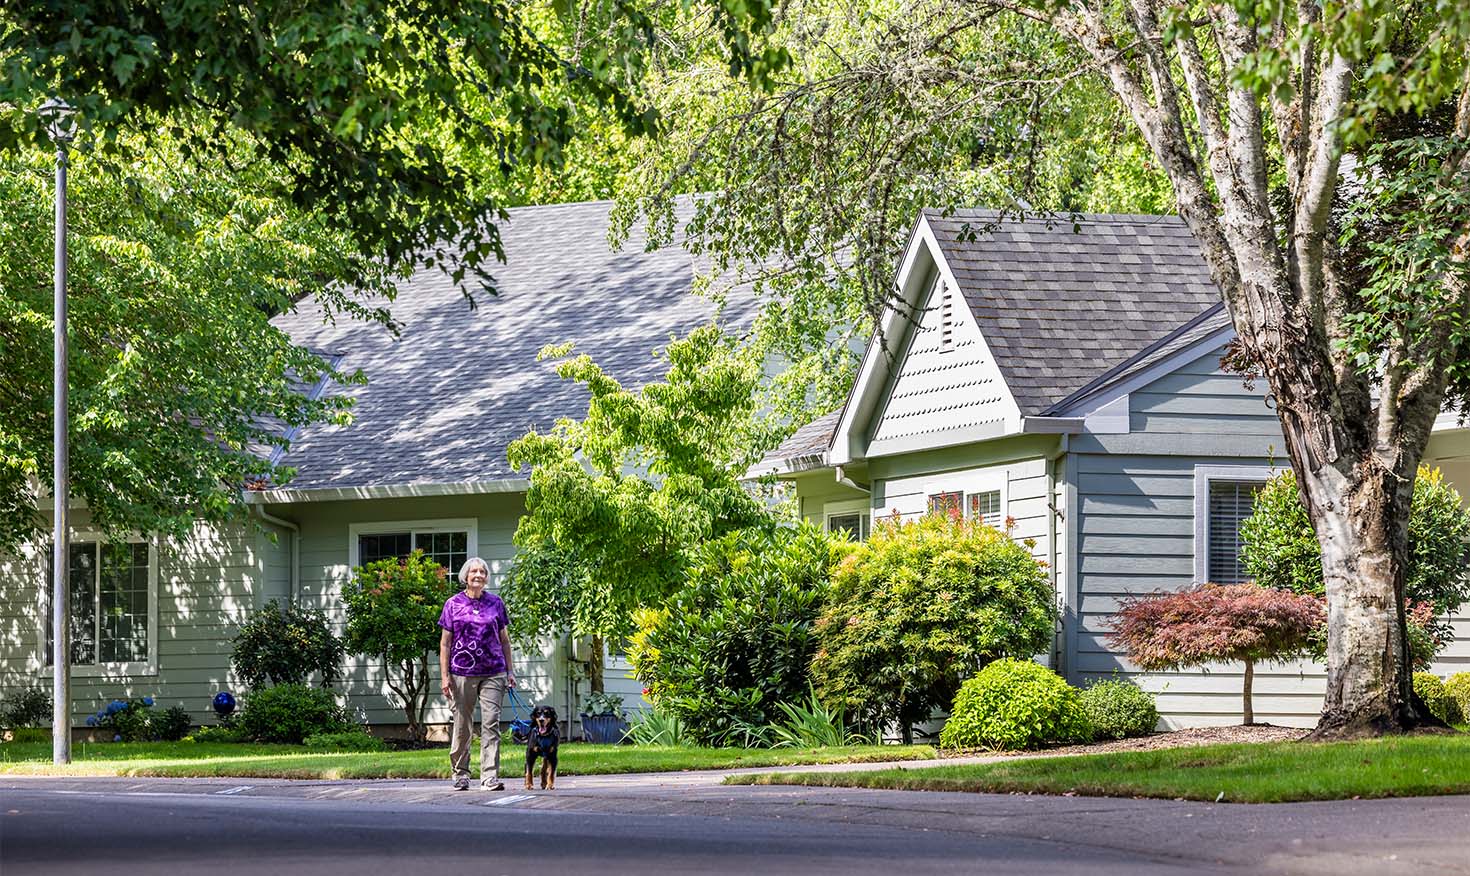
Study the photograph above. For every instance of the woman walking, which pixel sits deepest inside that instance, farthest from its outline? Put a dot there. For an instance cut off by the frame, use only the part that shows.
(475, 665)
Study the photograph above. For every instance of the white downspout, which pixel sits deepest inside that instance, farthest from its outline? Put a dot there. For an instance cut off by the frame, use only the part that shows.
(295, 546)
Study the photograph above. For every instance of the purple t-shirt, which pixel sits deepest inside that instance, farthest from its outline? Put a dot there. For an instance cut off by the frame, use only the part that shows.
(474, 626)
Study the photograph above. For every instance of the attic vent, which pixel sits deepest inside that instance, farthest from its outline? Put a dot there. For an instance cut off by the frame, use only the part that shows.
(946, 317)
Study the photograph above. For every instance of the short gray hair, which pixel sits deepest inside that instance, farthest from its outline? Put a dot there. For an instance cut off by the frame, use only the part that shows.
(464, 570)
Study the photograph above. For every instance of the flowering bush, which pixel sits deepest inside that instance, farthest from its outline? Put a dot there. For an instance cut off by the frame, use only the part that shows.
(126, 720)
(1212, 622)
(920, 607)
(1015, 704)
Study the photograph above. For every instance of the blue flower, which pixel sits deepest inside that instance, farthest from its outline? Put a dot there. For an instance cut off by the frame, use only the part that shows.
(117, 738)
(148, 701)
(92, 721)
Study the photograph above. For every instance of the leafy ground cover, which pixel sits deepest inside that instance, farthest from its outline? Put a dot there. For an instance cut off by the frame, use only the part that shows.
(1276, 772)
(191, 759)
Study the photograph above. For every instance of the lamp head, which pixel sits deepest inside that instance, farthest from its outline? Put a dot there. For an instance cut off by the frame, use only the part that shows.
(59, 117)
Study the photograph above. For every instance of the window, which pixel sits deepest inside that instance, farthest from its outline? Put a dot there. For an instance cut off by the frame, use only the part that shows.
(447, 542)
(111, 604)
(1223, 498)
(985, 508)
(946, 503)
(854, 524)
(1230, 504)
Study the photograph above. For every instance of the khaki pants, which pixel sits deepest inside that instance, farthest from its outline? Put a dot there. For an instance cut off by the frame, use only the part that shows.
(489, 690)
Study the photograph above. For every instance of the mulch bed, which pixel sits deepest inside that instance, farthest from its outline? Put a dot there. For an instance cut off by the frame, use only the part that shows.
(1171, 739)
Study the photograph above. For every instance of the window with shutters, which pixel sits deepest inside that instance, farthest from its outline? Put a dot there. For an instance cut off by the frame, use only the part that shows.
(1229, 505)
(447, 542)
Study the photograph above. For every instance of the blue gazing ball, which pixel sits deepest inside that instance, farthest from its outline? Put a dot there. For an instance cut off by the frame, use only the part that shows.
(224, 703)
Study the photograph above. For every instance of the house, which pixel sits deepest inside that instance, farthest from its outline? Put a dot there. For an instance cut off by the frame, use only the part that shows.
(1069, 380)
(423, 465)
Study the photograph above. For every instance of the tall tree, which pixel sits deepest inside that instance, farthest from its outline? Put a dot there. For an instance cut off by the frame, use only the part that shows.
(1349, 294)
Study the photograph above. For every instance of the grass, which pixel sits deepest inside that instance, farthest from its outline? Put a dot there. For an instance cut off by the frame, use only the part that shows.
(1279, 772)
(193, 760)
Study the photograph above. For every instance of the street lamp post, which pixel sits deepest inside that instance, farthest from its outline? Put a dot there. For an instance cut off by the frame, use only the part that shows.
(57, 115)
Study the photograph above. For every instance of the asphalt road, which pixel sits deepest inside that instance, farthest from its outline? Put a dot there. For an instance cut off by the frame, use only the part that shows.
(121, 826)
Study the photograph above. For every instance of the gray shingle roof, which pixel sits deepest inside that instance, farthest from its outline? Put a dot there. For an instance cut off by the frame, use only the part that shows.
(807, 443)
(1060, 307)
(446, 397)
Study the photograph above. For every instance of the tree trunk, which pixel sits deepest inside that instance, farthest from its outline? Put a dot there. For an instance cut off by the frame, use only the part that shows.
(595, 666)
(1249, 714)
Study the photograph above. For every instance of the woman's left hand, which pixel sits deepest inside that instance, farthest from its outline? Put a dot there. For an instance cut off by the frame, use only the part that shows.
(510, 679)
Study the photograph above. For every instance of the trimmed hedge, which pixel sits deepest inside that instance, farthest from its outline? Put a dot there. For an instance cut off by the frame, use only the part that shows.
(1015, 704)
(1118, 709)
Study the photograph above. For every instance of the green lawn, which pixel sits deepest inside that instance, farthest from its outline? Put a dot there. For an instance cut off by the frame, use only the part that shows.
(188, 759)
(1263, 773)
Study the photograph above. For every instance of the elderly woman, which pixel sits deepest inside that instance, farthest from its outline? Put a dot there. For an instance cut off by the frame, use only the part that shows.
(475, 664)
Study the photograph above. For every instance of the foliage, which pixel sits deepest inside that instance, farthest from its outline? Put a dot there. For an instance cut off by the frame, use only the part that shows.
(1431, 689)
(1212, 622)
(178, 380)
(811, 725)
(1457, 688)
(26, 707)
(1013, 704)
(618, 500)
(127, 720)
(382, 114)
(285, 644)
(918, 608)
(289, 713)
(210, 734)
(347, 740)
(172, 725)
(1117, 709)
(657, 727)
(393, 609)
(598, 704)
(1279, 548)
(737, 639)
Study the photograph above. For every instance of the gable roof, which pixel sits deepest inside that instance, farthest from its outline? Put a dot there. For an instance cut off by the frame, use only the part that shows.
(803, 448)
(1060, 306)
(457, 386)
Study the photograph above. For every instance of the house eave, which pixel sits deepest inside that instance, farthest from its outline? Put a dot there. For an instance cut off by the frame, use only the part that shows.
(287, 496)
(1053, 425)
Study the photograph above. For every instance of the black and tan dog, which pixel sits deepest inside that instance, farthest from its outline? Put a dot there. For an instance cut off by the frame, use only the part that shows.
(542, 743)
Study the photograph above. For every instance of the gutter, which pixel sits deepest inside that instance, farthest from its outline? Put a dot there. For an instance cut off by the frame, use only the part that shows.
(295, 531)
(286, 495)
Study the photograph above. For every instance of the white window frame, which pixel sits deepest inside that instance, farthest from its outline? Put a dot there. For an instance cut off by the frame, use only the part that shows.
(43, 601)
(467, 525)
(845, 508)
(1203, 476)
(995, 481)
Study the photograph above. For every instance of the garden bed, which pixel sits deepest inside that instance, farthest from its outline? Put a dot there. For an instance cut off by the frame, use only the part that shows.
(1193, 736)
(1264, 772)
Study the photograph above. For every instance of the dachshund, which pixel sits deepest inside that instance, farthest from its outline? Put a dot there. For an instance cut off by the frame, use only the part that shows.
(542, 742)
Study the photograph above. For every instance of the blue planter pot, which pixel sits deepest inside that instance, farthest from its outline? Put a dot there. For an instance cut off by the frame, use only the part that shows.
(603, 728)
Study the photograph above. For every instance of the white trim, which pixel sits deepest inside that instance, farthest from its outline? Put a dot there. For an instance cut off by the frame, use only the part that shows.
(467, 525)
(387, 491)
(915, 281)
(43, 598)
(844, 508)
(1168, 365)
(1203, 475)
(942, 438)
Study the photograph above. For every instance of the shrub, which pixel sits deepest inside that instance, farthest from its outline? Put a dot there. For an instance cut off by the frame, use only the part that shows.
(217, 735)
(1457, 688)
(600, 704)
(1013, 704)
(285, 644)
(288, 713)
(349, 740)
(657, 727)
(172, 725)
(920, 607)
(124, 720)
(29, 707)
(30, 734)
(1432, 691)
(1212, 622)
(393, 615)
(1117, 709)
(811, 725)
(1280, 550)
(737, 638)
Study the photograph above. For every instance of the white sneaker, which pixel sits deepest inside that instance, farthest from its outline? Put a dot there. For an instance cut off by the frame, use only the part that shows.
(461, 784)
(492, 786)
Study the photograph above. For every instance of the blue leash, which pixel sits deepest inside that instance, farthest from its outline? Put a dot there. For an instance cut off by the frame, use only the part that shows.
(520, 727)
